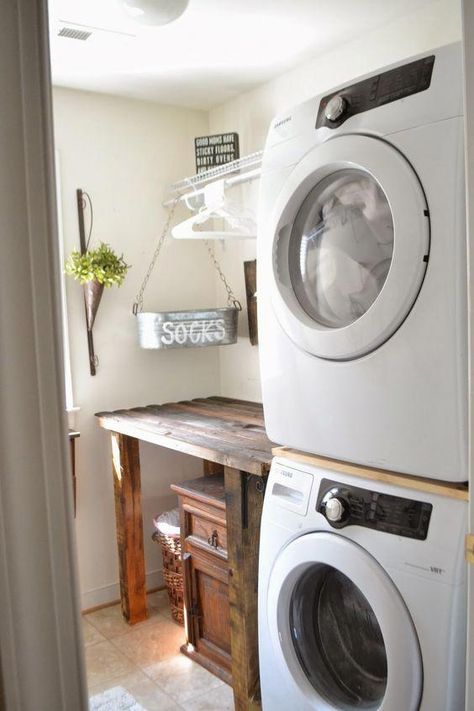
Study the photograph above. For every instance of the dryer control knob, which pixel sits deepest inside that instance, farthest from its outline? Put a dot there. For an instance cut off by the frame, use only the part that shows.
(334, 509)
(335, 108)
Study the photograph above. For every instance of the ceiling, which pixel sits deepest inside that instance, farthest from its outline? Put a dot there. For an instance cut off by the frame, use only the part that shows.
(216, 50)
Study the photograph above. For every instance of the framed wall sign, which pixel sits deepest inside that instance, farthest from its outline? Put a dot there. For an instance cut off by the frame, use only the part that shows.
(213, 151)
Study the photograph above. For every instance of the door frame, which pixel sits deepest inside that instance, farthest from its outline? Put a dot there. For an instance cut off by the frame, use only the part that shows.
(41, 649)
(468, 57)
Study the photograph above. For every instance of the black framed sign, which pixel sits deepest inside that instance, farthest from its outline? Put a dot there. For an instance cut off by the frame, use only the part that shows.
(213, 151)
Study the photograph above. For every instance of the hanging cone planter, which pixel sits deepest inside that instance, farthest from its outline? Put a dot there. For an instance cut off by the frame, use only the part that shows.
(88, 266)
(93, 291)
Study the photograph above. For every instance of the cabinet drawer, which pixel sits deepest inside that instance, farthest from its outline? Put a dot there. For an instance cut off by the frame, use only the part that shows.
(211, 530)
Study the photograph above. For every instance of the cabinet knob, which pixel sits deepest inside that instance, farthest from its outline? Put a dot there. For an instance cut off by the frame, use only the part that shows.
(213, 539)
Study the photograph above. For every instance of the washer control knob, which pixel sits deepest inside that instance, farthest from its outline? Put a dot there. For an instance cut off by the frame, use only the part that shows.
(334, 509)
(335, 108)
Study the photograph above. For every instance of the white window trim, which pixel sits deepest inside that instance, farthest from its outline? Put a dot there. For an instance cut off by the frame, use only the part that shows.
(69, 393)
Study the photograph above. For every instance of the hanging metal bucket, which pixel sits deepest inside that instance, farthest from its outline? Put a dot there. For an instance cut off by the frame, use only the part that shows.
(188, 329)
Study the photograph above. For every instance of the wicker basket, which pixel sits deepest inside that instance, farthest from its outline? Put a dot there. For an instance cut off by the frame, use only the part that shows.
(172, 571)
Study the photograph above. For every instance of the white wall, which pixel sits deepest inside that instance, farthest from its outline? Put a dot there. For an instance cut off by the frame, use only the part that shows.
(250, 114)
(125, 153)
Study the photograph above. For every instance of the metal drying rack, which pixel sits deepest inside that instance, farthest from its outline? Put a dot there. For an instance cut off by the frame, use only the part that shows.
(237, 171)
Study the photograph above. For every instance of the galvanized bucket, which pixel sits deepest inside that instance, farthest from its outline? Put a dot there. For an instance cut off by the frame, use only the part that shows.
(188, 329)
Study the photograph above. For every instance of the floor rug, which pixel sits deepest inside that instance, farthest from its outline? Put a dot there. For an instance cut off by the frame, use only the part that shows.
(115, 699)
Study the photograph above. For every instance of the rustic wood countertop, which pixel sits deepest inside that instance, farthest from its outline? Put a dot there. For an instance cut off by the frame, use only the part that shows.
(217, 429)
(229, 436)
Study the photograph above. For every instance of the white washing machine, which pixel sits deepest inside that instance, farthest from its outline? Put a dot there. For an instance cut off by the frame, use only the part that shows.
(362, 595)
(362, 272)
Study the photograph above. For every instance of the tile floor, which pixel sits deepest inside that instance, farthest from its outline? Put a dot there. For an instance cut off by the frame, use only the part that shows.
(146, 661)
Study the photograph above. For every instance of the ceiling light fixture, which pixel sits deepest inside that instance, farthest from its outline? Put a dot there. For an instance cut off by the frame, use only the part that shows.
(155, 12)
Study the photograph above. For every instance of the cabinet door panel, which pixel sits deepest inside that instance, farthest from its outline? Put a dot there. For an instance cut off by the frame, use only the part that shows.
(211, 611)
(213, 602)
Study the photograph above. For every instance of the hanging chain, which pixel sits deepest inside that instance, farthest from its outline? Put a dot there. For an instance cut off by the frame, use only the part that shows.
(138, 305)
(231, 299)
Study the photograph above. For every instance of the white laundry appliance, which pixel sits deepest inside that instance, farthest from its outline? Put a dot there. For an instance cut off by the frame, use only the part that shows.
(362, 595)
(362, 272)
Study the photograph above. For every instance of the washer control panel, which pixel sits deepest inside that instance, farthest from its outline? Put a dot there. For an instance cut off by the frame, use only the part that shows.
(345, 505)
(381, 89)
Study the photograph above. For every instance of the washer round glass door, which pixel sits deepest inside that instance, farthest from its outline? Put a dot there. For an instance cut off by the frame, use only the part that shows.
(350, 234)
(337, 638)
(341, 628)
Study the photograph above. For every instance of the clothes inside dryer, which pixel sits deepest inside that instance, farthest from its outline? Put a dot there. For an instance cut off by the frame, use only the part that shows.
(341, 247)
(337, 639)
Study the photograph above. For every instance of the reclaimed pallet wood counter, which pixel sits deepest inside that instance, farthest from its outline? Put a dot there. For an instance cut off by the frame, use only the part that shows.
(229, 436)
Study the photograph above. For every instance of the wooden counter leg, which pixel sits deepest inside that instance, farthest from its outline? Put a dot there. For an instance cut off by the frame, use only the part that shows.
(211, 468)
(128, 517)
(244, 509)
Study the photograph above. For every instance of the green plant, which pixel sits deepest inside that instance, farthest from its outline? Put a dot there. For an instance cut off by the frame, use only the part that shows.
(101, 264)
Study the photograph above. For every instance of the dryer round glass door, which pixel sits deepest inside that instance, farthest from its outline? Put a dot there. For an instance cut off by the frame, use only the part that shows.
(341, 629)
(350, 244)
(341, 247)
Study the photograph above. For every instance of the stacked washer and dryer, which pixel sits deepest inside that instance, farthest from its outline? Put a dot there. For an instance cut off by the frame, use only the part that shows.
(363, 346)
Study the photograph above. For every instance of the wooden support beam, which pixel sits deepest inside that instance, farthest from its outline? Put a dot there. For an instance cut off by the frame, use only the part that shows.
(128, 517)
(244, 502)
(211, 468)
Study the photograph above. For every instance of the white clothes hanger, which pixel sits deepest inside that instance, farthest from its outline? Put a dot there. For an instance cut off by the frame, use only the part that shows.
(241, 220)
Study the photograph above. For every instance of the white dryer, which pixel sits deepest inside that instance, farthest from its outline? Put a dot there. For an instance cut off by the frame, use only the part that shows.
(362, 272)
(362, 595)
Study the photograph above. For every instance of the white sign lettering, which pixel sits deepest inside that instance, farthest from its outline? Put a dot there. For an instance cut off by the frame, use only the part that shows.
(202, 331)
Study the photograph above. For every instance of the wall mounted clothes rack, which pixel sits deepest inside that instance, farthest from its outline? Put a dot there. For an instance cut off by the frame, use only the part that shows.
(237, 171)
(205, 195)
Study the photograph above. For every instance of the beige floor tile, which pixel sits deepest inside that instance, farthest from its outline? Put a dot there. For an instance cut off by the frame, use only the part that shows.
(104, 662)
(126, 680)
(89, 634)
(220, 699)
(151, 643)
(143, 690)
(159, 601)
(182, 678)
(110, 623)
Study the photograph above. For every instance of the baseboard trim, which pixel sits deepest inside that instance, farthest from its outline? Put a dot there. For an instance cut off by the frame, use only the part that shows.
(110, 594)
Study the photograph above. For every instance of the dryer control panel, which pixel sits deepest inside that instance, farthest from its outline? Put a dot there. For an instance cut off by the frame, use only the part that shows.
(411, 78)
(345, 505)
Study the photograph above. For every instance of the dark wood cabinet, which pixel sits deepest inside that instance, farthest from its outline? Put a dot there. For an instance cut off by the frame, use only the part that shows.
(206, 573)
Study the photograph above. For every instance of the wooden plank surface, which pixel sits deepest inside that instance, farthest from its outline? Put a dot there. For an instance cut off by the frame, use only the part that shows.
(431, 486)
(217, 429)
(207, 489)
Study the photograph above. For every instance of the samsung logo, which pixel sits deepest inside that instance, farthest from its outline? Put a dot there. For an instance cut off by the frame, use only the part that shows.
(282, 122)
